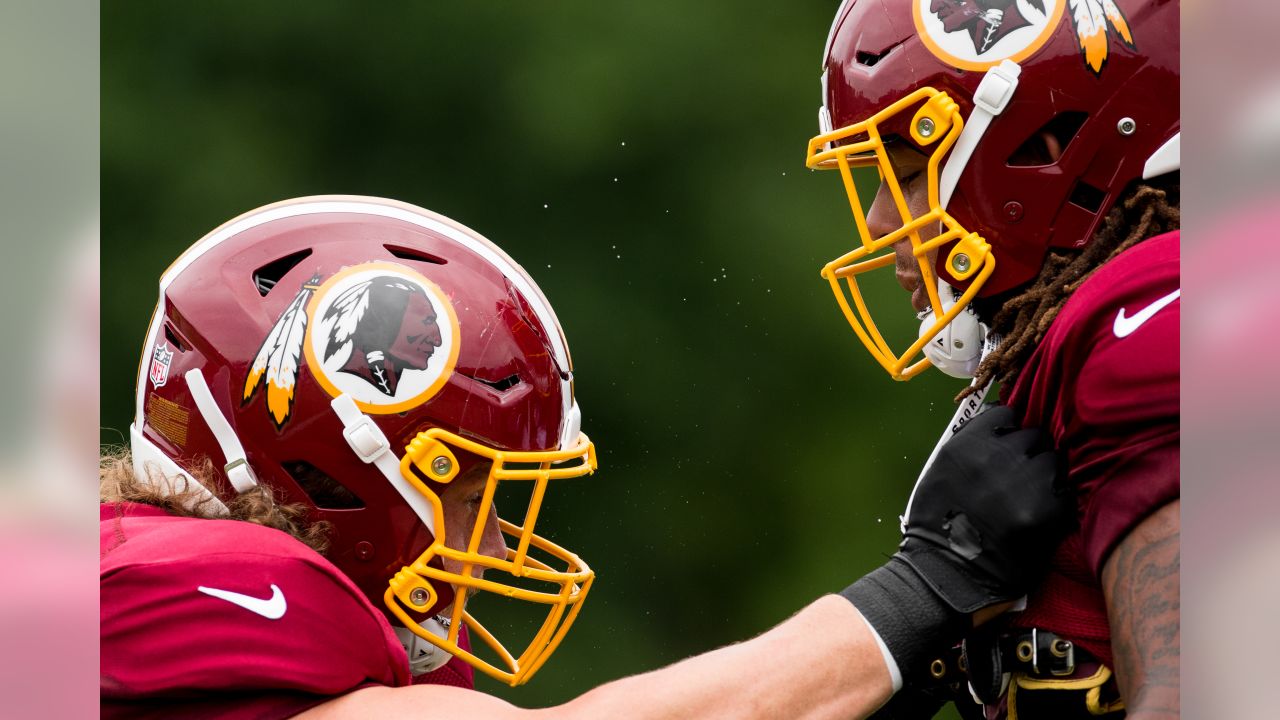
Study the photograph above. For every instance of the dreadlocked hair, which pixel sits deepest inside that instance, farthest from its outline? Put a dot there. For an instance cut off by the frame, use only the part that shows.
(118, 483)
(1145, 211)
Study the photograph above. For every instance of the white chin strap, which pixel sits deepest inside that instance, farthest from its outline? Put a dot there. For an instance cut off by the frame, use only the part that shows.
(370, 444)
(957, 349)
(237, 467)
(989, 100)
(152, 466)
(424, 656)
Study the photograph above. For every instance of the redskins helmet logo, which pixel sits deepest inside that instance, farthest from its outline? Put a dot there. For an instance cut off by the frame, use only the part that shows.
(384, 335)
(379, 332)
(979, 34)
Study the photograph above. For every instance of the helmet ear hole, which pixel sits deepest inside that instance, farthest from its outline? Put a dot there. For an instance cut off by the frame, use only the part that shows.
(266, 277)
(325, 492)
(1046, 145)
(405, 253)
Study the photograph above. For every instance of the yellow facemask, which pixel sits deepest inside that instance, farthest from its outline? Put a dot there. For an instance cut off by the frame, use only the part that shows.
(935, 126)
(430, 455)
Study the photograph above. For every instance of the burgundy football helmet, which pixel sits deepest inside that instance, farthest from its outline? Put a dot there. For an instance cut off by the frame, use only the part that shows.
(356, 355)
(976, 86)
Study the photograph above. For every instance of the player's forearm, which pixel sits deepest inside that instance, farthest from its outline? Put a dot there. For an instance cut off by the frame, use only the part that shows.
(1141, 585)
(821, 663)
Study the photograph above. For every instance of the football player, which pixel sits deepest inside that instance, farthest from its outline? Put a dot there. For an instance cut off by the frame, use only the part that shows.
(333, 393)
(1029, 202)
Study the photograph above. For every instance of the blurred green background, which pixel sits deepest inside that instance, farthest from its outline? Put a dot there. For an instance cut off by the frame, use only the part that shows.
(645, 162)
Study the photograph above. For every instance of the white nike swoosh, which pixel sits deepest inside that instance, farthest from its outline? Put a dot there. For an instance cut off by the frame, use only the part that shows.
(1126, 325)
(271, 608)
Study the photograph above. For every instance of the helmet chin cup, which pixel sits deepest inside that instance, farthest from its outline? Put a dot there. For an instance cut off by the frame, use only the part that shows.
(957, 348)
(424, 656)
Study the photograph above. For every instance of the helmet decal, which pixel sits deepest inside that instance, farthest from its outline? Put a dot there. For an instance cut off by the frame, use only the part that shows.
(384, 335)
(161, 359)
(276, 364)
(979, 34)
(1092, 19)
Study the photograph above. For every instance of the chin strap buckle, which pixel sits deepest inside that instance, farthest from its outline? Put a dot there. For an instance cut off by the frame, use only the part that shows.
(997, 86)
(370, 444)
(989, 100)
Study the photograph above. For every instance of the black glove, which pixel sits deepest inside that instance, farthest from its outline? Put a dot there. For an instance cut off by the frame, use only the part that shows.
(980, 529)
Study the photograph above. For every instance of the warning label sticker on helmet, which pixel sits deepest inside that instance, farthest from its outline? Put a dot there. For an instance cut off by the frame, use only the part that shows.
(978, 34)
(384, 335)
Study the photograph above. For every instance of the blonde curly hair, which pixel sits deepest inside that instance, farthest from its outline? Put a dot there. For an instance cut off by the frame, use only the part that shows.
(118, 483)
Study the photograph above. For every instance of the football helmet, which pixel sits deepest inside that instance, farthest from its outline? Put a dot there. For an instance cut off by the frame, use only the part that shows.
(979, 89)
(357, 355)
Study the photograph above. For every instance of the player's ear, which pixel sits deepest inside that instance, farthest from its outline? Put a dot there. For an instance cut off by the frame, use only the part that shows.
(1052, 145)
(1042, 148)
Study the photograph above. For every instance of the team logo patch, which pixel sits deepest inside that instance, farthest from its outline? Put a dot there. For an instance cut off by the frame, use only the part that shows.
(978, 34)
(161, 359)
(384, 335)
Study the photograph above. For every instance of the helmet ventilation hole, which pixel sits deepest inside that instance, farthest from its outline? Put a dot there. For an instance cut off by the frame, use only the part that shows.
(869, 59)
(502, 385)
(174, 340)
(405, 253)
(266, 277)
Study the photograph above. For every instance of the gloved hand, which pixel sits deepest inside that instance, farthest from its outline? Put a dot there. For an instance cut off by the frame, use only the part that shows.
(980, 528)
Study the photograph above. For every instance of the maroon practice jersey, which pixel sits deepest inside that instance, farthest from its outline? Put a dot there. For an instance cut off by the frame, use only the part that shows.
(227, 619)
(1104, 383)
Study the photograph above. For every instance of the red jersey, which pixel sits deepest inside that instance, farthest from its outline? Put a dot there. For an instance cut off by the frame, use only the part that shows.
(1104, 383)
(228, 619)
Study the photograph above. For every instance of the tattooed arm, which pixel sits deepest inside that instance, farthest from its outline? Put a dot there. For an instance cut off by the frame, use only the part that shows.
(1140, 584)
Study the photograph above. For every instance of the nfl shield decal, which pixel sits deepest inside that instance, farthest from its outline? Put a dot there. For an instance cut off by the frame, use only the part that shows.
(161, 359)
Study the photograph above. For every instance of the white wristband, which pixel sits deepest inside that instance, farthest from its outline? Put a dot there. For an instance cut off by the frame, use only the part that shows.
(895, 675)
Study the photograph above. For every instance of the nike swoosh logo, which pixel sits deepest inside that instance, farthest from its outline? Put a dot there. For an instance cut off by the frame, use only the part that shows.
(271, 608)
(1126, 325)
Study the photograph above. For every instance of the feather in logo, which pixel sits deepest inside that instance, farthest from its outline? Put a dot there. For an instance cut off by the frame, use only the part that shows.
(276, 364)
(1094, 20)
